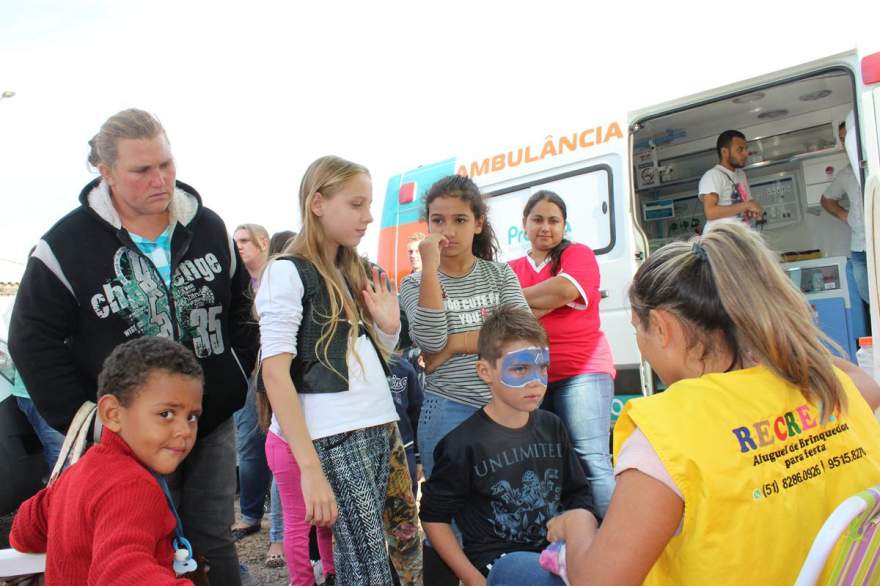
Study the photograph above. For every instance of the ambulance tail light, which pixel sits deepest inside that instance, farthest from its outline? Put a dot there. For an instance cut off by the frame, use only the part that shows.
(406, 193)
(871, 69)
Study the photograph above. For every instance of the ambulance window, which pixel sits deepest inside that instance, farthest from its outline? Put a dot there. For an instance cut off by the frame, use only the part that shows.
(588, 199)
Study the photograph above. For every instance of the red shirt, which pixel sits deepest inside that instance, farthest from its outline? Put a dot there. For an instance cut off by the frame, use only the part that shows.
(577, 344)
(104, 521)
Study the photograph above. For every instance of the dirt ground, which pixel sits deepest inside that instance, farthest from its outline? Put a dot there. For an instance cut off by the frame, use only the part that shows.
(252, 551)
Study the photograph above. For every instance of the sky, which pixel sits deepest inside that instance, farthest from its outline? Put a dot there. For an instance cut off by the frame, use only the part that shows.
(251, 93)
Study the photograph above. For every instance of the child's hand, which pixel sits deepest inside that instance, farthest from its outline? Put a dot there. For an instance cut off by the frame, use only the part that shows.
(559, 527)
(435, 361)
(319, 498)
(429, 249)
(477, 580)
(380, 297)
(556, 529)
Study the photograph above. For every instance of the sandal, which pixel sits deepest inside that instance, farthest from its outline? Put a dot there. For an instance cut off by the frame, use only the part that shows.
(240, 532)
(275, 560)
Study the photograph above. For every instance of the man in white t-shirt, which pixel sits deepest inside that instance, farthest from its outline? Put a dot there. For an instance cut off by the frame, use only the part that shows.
(846, 182)
(724, 189)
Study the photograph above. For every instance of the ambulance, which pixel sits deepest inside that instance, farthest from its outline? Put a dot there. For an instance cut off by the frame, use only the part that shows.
(631, 185)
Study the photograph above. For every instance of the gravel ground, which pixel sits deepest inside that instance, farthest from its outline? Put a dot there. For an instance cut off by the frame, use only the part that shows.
(252, 551)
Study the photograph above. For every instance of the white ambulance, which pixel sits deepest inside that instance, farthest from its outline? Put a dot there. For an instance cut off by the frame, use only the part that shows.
(630, 185)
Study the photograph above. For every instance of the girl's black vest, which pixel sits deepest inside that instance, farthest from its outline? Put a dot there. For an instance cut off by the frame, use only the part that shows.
(308, 372)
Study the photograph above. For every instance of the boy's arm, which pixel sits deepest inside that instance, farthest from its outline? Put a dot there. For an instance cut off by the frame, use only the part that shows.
(444, 495)
(446, 545)
(30, 527)
(129, 525)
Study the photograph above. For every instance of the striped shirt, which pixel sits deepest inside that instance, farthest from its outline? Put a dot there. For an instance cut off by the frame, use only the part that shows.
(158, 251)
(468, 300)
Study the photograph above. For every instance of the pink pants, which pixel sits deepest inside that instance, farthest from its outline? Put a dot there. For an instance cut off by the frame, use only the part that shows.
(296, 530)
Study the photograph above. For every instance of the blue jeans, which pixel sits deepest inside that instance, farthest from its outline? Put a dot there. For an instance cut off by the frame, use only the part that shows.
(439, 416)
(521, 567)
(583, 402)
(49, 437)
(253, 471)
(276, 516)
(858, 266)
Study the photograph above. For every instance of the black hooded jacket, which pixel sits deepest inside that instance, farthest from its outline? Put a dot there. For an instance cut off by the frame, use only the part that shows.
(88, 288)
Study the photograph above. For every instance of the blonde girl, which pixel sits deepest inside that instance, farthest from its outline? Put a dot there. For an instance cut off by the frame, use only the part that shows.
(327, 322)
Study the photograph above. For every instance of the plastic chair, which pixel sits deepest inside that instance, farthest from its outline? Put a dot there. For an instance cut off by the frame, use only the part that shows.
(14, 564)
(854, 523)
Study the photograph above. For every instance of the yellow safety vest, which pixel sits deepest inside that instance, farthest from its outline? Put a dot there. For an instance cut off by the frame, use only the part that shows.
(758, 472)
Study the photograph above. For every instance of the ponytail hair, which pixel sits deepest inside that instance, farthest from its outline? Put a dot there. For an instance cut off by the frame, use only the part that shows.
(769, 320)
(552, 197)
(485, 243)
(127, 124)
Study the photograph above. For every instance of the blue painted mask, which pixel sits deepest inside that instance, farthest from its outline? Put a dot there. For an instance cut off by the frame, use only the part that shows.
(521, 367)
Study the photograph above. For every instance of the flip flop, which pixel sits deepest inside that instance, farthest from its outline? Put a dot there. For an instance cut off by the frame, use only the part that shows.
(275, 560)
(240, 532)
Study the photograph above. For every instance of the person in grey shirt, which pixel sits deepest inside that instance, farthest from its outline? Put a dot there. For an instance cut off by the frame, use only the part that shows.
(846, 182)
(458, 287)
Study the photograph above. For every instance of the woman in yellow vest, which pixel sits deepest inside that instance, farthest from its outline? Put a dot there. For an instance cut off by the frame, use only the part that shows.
(727, 476)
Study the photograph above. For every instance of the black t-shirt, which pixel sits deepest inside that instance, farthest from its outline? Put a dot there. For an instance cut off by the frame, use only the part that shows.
(502, 485)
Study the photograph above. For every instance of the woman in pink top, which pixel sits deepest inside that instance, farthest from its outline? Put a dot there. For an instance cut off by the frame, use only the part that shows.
(560, 281)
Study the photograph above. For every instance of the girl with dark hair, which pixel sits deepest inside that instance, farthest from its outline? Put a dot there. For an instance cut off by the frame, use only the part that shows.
(727, 476)
(560, 281)
(446, 302)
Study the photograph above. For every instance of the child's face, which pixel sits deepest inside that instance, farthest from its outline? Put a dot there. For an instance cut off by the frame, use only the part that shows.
(344, 217)
(454, 219)
(519, 377)
(161, 422)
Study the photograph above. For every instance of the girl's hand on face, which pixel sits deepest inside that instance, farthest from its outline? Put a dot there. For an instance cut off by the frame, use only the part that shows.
(380, 297)
(318, 497)
(429, 249)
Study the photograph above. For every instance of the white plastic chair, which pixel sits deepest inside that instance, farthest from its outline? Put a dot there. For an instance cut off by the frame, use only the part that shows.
(855, 521)
(14, 564)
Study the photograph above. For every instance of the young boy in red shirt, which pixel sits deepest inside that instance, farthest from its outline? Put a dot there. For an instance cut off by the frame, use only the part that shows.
(107, 519)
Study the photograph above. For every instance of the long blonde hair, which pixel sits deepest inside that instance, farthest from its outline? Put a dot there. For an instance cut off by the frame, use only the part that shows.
(328, 175)
(703, 281)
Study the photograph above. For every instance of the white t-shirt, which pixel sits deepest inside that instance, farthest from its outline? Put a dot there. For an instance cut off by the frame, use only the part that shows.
(366, 403)
(846, 182)
(731, 186)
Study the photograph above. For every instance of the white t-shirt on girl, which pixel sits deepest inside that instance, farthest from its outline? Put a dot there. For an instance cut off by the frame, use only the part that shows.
(366, 403)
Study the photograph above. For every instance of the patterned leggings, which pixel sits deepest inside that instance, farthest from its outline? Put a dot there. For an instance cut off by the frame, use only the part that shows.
(356, 464)
(401, 517)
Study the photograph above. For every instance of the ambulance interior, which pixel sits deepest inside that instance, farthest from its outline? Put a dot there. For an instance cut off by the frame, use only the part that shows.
(794, 153)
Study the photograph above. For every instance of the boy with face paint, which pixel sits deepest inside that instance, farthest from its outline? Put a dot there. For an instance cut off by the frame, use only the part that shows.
(508, 474)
